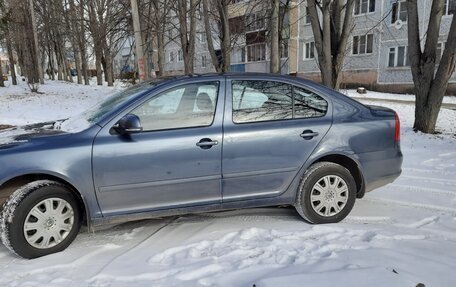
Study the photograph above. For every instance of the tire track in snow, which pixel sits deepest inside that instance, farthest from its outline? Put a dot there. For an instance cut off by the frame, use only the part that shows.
(414, 205)
(431, 179)
(424, 189)
(131, 248)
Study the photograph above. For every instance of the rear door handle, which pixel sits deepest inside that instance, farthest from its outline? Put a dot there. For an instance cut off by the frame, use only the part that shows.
(308, 134)
(206, 143)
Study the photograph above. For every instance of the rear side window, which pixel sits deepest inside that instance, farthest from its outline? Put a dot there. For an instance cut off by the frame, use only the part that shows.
(308, 104)
(257, 101)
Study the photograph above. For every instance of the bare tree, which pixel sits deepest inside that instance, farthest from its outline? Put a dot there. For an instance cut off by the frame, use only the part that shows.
(331, 32)
(274, 37)
(215, 13)
(24, 40)
(186, 12)
(430, 85)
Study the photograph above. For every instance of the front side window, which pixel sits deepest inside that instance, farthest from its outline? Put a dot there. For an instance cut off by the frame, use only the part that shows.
(191, 105)
(258, 101)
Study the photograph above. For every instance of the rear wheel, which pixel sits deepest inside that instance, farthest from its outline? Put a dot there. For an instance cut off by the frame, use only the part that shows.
(40, 218)
(326, 194)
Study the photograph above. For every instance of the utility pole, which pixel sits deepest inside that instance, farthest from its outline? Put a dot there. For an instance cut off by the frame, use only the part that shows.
(138, 40)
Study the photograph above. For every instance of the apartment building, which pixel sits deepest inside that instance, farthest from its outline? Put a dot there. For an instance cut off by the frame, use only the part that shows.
(377, 53)
(376, 57)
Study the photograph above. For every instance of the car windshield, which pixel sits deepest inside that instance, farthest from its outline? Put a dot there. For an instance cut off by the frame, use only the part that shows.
(94, 114)
(97, 112)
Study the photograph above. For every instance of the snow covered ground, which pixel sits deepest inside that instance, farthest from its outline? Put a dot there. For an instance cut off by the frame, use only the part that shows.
(390, 96)
(399, 235)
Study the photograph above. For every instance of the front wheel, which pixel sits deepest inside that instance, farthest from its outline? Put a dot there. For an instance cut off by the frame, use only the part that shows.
(40, 218)
(326, 194)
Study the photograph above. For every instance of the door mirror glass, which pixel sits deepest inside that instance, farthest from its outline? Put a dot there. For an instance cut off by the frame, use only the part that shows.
(128, 124)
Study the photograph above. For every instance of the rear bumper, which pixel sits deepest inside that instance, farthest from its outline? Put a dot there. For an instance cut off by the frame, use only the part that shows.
(380, 168)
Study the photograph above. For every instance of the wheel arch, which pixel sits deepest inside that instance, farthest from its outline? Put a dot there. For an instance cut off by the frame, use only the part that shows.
(349, 163)
(12, 184)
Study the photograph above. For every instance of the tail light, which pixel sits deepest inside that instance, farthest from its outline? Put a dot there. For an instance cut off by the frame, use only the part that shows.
(397, 129)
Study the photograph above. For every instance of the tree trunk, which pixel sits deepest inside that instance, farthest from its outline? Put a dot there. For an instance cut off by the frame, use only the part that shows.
(37, 60)
(225, 38)
(71, 22)
(2, 83)
(80, 32)
(161, 52)
(430, 86)
(108, 66)
(9, 48)
(138, 40)
(210, 42)
(274, 38)
(331, 37)
(187, 34)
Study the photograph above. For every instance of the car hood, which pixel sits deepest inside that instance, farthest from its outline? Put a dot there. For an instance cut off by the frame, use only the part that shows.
(15, 136)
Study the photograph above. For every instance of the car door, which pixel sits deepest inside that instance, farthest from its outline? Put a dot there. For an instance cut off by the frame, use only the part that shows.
(174, 162)
(270, 129)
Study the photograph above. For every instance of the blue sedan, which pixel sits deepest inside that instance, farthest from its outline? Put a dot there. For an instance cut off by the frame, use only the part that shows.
(194, 144)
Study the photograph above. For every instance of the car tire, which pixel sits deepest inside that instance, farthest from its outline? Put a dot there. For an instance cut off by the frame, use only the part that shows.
(326, 194)
(40, 218)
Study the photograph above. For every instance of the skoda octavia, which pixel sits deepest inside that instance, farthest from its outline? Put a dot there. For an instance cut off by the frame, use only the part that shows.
(193, 144)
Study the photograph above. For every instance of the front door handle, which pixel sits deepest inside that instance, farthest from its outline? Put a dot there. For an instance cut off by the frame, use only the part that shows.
(206, 143)
(308, 134)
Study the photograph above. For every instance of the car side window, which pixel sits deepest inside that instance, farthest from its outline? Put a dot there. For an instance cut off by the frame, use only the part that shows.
(308, 104)
(191, 105)
(256, 101)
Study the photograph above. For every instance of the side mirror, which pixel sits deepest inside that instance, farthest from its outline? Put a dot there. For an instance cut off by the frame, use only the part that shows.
(128, 124)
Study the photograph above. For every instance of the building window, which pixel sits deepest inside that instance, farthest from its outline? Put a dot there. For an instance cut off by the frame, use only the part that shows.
(202, 37)
(255, 22)
(180, 56)
(364, 6)
(238, 55)
(307, 16)
(399, 12)
(284, 50)
(171, 56)
(256, 52)
(363, 44)
(203, 61)
(398, 57)
(450, 7)
(309, 50)
(171, 33)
